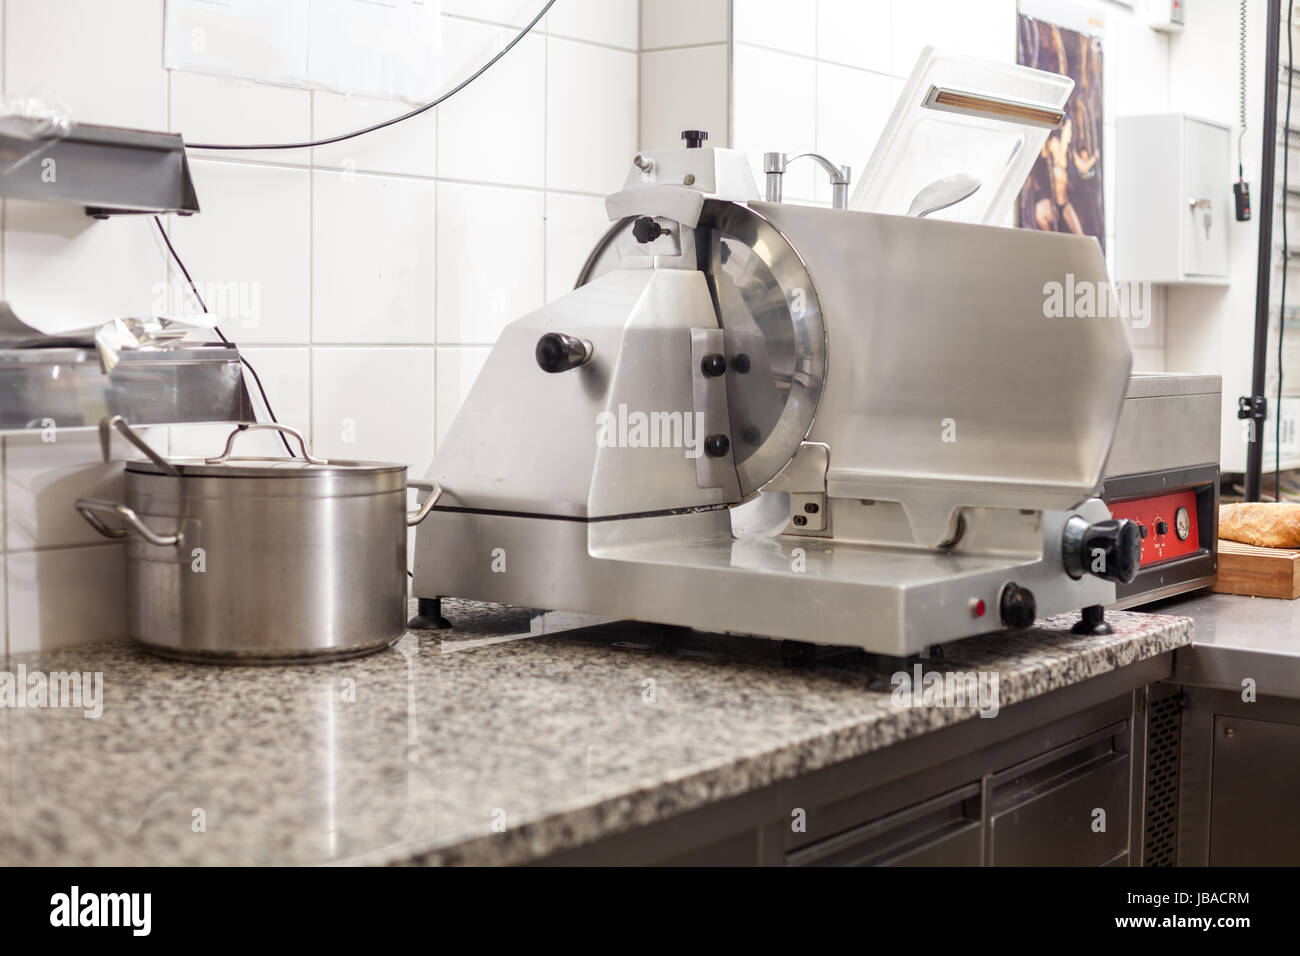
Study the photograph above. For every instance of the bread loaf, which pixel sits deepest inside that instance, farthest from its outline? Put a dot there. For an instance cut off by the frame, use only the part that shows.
(1264, 524)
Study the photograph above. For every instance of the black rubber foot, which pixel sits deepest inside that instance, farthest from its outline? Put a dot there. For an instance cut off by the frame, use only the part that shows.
(428, 616)
(1092, 621)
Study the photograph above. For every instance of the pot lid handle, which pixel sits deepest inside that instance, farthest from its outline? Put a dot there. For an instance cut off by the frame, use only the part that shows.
(106, 428)
(302, 443)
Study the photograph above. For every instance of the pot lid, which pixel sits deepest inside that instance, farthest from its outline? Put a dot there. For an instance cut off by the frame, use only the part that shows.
(262, 467)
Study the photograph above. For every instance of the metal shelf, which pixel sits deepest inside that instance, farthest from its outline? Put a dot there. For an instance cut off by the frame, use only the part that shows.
(108, 169)
(66, 388)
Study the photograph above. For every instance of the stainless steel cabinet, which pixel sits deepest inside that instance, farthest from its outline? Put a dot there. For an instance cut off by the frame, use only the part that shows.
(1069, 806)
(1255, 797)
(1029, 787)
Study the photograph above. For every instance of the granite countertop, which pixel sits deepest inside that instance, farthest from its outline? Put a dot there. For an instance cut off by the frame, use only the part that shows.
(515, 719)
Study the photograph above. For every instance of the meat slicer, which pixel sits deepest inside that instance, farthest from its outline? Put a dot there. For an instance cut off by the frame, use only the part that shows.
(795, 422)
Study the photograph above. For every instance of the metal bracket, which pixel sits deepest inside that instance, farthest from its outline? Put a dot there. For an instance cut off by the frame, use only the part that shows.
(712, 417)
(1254, 407)
(804, 479)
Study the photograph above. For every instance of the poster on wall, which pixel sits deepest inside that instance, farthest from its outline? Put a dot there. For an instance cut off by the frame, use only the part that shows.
(1064, 190)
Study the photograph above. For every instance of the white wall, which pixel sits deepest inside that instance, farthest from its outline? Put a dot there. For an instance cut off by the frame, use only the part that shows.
(1212, 329)
(823, 75)
(385, 266)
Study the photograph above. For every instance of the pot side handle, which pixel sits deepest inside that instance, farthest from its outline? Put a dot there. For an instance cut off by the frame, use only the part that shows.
(435, 492)
(91, 508)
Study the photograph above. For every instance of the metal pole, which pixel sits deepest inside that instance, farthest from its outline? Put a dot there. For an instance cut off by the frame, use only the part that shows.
(1264, 269)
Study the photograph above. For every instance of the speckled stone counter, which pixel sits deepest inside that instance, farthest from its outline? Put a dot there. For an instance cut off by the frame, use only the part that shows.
(512, 736)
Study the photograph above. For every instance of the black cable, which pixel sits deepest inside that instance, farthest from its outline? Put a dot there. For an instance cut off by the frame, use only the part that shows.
(204, 306)
(396, 119)
(1241, 88)
(1286, 264)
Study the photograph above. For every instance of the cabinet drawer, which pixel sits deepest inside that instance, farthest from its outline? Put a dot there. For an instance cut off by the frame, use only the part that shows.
(1043, 811)
(943, 831)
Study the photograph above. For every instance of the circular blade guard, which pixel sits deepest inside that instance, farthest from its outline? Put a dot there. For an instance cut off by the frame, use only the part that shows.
(769, 312)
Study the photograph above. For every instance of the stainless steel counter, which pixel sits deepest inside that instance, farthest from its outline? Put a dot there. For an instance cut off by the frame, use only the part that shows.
(1238, 637)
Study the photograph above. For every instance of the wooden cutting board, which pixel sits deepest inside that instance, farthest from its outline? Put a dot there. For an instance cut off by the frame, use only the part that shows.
(1259, 572)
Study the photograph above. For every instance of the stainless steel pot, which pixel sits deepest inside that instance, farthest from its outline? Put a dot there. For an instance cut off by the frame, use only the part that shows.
(257, 559)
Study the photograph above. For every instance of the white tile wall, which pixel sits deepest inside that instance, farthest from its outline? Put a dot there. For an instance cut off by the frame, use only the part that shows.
(495, 130)
(374, 404)
(366, 278)
(574, 223)
(457, 369)
(409, 147)
(677, 23)
(371, 255)
(776, 109)
(490, 260)
(43, 478)
(102, 61)
(65, 596)
(254, 236)
(65, 270)
(612, 22)
(684, 88)
(777, 24)
(583, 81)
(220, 109)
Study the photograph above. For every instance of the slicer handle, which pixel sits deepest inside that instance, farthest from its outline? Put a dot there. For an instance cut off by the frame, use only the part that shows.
(557, 352)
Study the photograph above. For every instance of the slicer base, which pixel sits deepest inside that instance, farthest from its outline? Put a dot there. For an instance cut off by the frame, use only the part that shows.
(688, 570)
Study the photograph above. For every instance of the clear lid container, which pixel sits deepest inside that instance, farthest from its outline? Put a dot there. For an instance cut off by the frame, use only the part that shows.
(959, 117)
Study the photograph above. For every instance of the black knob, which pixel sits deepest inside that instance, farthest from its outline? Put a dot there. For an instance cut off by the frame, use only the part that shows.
(1017, 606)
(557, 352)
(694, 138)
(1162, 527)
(717, 445)
(741, 363)
(1112, 550)
(713, 365)
(646, 229)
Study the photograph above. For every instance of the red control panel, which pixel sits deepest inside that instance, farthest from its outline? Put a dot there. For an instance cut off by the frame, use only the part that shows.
(1167, 524)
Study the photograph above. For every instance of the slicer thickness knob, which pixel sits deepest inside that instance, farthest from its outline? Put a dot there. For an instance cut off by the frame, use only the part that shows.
(558, 352)
(1110, 550)
(645, 229)
(694, 137)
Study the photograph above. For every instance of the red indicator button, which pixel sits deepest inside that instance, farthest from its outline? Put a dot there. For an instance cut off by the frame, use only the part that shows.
(977, 607)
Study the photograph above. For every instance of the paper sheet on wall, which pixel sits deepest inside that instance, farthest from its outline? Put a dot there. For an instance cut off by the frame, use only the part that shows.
(385, 48)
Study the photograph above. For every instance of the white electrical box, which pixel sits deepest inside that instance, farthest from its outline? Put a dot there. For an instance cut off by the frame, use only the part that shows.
(1173, 199)
(1167, 16)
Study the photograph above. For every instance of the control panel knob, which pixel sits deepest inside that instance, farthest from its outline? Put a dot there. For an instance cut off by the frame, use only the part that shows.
(694, 138)
(1110, 550)
(557, 352)
(1017, 606)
